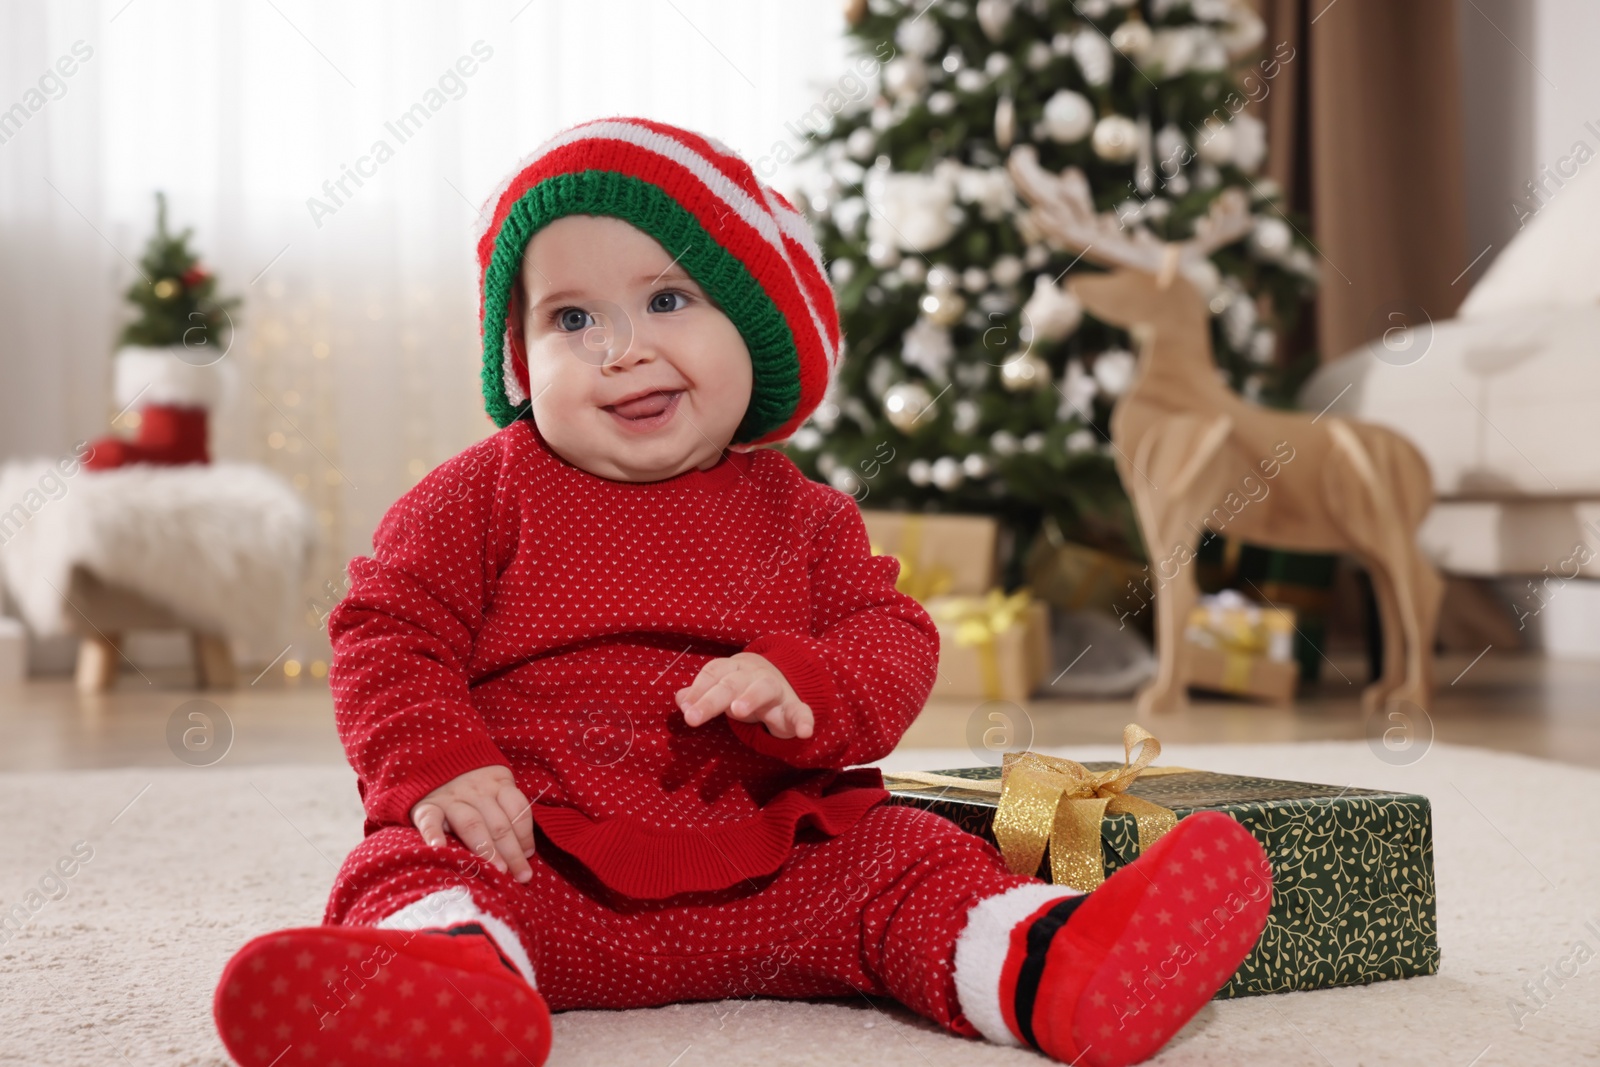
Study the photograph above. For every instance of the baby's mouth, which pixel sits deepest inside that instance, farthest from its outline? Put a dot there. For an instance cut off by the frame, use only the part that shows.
(645, 407)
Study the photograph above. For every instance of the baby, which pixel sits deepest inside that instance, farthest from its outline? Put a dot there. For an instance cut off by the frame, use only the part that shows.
(621, 621)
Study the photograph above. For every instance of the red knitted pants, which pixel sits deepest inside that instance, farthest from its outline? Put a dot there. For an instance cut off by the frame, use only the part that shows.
(875, 910)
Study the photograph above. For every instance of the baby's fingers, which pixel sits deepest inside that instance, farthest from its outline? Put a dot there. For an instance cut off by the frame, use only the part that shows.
(428, 818)
(801, 721)
(757, 700)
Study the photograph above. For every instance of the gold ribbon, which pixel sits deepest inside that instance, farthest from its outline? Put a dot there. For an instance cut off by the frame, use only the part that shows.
(978, 621)
(914, 581)
(1236, 671)
(1049, 800)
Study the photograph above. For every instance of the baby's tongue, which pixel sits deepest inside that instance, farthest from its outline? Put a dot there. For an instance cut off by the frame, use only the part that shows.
(644, 407)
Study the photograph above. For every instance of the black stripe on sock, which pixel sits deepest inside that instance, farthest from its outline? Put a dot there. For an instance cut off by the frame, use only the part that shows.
(1040, 934)
(477, 928)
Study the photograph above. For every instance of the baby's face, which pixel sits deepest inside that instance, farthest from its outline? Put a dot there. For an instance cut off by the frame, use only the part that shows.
(609, 317)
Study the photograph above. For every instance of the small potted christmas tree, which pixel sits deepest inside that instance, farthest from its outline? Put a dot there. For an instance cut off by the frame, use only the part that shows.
(168, 365)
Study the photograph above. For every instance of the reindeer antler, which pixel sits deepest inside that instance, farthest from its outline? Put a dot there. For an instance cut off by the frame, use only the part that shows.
(1062, 208)
(1227, 220)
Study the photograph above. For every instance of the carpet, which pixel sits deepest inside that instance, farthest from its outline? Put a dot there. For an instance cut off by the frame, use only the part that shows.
(180, 866)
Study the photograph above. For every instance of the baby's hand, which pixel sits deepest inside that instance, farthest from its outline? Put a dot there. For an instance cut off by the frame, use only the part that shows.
(749, 688)
(486, 810)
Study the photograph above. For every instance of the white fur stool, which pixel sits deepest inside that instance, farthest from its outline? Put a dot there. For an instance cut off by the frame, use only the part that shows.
(218, 550)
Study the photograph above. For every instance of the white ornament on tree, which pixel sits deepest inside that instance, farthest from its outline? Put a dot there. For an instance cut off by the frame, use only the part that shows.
(1270, 238)
(1078, 390)
(1249, 142)
(1080, 441)
(861, 143)
(964, 415)
(1132, 38)
(904, 78)
(914, 212)
(928, 347)
(1094, 56)
(976, 465)
(1116, 138)
(1068, 116)
(1006, 270)
(1051, 313)
(1113, 371)
(1215, 144)
(919, 37)
(946, 473)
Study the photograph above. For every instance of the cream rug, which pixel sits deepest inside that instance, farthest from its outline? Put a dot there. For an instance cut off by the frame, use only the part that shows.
(187, 864)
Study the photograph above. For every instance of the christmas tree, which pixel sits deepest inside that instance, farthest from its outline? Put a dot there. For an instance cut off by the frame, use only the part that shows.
(973, 381)
(176, 297)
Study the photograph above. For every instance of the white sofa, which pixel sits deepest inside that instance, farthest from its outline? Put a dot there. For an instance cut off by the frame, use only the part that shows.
(1504, 401)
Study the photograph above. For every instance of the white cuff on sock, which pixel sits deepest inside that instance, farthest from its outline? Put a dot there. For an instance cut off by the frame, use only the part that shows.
(450, 907)
(981, 952)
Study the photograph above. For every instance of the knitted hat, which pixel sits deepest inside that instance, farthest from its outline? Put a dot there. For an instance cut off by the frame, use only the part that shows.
(745, 245)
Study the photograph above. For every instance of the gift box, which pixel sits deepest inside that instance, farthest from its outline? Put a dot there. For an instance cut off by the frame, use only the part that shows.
(938, 554)
(1240, 647)
(1352, 869)
(1075, 577)
(1301, 582)
(993, 647)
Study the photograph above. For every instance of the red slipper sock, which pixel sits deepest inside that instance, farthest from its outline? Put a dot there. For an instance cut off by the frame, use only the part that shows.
(1107, 978)
(364, 995)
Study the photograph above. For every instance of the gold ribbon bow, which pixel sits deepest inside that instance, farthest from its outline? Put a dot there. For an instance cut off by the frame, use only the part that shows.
(978, 621)
(914, 581)
(1056, 801)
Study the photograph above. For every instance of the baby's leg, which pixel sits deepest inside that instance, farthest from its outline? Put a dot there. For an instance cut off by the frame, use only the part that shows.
(395, 880)
(421, 958)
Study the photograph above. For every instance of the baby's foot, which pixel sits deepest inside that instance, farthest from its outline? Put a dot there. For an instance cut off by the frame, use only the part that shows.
(358, 995)
(1105, 979)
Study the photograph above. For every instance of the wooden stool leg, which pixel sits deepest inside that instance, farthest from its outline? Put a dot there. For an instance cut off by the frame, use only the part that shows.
(97, 662)
(213, 660)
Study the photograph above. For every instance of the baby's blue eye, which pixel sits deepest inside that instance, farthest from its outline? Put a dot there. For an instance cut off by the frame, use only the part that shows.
(664, 300)
(572, 319)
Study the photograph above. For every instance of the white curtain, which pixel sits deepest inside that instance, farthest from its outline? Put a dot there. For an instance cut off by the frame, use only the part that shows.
(357, 336)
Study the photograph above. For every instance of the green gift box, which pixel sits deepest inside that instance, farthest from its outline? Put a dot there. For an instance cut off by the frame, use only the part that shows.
(1352, 869)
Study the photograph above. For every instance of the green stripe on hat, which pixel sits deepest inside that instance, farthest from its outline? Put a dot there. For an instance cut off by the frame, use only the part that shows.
(774, 358)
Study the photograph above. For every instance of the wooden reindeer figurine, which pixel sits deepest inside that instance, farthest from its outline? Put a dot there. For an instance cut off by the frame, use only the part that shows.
(1191, 453)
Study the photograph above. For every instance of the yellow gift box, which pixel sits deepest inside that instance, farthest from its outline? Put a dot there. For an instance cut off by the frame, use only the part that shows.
(1239, 647)
(938, 554)
(993, 647)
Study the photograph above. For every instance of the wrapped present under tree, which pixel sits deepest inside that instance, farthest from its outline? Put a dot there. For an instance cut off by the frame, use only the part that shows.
(1352, 869)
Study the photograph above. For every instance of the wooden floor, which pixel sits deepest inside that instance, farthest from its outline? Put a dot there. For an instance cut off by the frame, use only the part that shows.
(1514, 702)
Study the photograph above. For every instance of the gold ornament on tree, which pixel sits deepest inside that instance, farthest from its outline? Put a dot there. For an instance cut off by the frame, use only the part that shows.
(905, 404)
(167, 288)
(1005, 122)
(944, 306)
(1025, 372)
(855, 11)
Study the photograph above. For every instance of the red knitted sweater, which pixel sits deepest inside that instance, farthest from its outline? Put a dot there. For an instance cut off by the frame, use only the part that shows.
(519, 610)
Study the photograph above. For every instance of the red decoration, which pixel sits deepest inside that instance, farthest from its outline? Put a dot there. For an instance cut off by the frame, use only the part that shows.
(194, 276)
